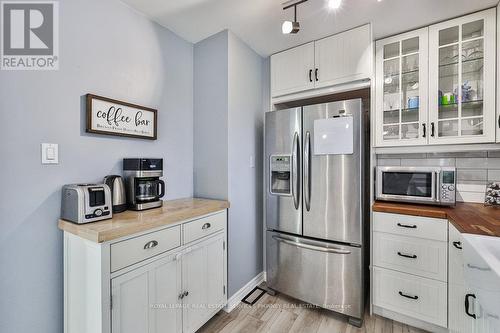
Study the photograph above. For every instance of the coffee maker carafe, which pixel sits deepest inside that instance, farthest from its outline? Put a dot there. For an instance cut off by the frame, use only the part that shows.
(144, 186)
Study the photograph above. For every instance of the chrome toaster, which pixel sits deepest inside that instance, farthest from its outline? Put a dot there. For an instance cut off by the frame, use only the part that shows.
(84, 203)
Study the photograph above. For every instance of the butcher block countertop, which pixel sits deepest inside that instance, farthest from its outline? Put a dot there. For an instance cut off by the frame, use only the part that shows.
(469, 218)
(130, 222)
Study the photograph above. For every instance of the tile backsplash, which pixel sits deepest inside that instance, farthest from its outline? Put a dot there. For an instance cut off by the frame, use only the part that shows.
(474, 169)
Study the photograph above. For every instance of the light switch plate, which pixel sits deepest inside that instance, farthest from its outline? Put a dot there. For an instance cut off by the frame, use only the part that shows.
(50, 153)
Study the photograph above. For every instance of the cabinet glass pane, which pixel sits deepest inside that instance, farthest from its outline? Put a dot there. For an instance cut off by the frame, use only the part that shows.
(472, 126)
(472, 70)
(391, 85)
(410, 45)
(410, 87)
(409, 115)
(472, 109)
(448, 36)
(391, 50)
(391, 132)
(448, 82)
(409, 131)
(448, 128)
(391, 117)
(473, 30)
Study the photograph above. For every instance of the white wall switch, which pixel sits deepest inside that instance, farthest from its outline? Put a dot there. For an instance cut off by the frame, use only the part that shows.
(50, 153)
(252, 161)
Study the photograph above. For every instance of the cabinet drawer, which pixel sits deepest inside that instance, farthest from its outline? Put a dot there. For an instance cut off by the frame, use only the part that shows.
(131, 251)
(412, 296)
(426, 258)
(413, 226)
(203, 227)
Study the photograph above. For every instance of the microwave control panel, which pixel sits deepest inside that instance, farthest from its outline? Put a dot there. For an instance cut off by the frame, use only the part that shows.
(448, 187)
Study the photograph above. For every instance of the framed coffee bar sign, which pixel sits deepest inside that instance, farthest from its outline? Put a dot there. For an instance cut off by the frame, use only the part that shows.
(112, 117)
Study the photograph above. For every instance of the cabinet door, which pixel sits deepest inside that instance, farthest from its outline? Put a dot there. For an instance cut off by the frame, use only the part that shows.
(203, 270)
(401, 89)
(344, 57)
(147, 299)
(462, 65)
(498, 76)
(292, 70)
(458, 320)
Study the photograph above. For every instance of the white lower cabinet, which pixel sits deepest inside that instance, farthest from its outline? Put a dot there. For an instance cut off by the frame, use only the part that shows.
(170, 280)
(410, 272)
(147, 299)
(203, 282)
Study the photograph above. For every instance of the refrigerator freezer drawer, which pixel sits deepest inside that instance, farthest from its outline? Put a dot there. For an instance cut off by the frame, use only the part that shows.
(324, 274)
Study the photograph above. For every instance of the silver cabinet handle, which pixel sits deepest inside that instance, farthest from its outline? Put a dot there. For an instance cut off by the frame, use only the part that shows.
(311, 247)
(206, 226)
(295, 172)
(150, 245)
(307, 171)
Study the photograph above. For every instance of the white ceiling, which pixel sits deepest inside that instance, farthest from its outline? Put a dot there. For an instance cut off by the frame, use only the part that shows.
(258, 22)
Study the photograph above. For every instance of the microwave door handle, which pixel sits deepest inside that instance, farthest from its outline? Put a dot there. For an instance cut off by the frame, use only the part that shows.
(307, 171)
(437, 186)
(295, 173)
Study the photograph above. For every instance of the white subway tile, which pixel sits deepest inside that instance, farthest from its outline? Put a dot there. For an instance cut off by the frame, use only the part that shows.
(429, 162)
(493, 175)
(470, 197)
(471, 174)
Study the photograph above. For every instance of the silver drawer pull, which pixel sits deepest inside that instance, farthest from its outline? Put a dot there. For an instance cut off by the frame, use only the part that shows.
(150, 245)
(206, 226)
(311, 247)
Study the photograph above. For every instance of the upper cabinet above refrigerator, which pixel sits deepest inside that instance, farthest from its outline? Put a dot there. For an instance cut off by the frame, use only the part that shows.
(437, 85)
(462, 79)
(401, 89)
(318, 67)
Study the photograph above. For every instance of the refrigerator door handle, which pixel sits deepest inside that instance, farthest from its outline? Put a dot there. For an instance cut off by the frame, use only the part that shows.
(311, 247)
(307, 171)
(295, 173)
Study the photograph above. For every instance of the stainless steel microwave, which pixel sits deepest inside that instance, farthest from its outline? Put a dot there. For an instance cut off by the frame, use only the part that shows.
(427, 185)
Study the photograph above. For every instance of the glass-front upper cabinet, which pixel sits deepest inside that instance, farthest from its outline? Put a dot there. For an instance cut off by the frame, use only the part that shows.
(401, 89)
(462, 67)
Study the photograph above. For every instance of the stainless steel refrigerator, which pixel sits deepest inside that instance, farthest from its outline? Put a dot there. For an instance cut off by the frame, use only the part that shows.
(315, 205)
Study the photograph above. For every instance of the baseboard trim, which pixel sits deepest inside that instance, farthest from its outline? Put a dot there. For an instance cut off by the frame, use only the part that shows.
(234, 300)
(408, 320)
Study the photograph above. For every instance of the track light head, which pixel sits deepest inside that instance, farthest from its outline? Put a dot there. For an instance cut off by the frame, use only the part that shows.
(289, 27)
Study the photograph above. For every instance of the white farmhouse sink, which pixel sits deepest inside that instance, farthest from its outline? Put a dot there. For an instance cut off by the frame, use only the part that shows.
(482, 272)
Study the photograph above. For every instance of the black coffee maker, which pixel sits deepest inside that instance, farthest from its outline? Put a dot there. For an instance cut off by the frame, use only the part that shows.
(144, 186)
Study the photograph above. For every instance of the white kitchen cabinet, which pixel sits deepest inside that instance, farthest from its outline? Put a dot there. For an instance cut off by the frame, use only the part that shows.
(459, 320)
(401, 102)
(339, 59)
(206, 260)
(462, 87)
(147, 299)
(292, 70)
(344, 57)
(498, 76)
(154, 281)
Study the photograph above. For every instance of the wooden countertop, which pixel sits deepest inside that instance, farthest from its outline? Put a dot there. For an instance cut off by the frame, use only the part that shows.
(469, 218)
(131, 222)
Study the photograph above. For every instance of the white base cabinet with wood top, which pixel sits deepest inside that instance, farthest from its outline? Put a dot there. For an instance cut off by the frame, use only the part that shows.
(169, 279)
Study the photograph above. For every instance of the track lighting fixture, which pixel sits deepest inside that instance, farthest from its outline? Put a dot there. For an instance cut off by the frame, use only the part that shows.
(290, 27)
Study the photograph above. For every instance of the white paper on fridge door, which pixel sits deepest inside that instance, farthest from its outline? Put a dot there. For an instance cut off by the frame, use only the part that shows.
(333, 136)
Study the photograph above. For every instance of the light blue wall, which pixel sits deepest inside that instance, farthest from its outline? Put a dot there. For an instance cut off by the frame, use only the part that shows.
(210, 120)
(107, 49)
(245, 132)
(228, 130)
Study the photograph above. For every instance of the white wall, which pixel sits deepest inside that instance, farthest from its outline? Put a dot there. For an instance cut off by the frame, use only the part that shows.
(107, 49)
(228, 129)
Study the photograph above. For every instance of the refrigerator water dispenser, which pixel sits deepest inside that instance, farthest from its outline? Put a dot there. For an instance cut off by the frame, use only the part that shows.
(281, 171)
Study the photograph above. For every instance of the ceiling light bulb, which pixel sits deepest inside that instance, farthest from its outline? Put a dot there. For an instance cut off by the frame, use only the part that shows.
(334, 4)
(290, 27)
(287, 27)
